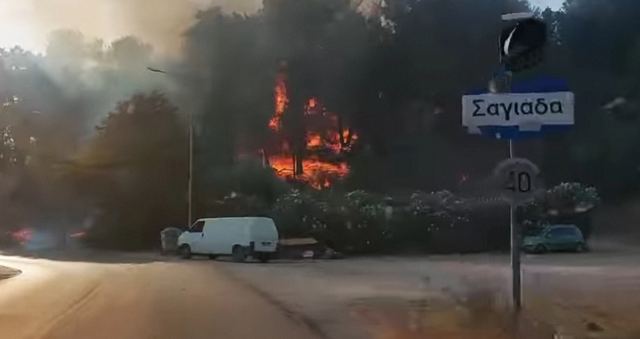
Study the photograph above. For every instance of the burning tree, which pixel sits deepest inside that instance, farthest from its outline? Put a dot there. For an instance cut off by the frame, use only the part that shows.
(311, 150)
(319, 46)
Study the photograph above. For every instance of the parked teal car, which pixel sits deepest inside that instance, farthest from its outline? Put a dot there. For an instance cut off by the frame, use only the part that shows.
(555, 238)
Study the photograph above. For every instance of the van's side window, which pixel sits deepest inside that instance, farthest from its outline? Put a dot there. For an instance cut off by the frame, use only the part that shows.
(197, 227)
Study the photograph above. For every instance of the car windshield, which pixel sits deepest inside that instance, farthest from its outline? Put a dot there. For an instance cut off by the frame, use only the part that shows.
(333, 169)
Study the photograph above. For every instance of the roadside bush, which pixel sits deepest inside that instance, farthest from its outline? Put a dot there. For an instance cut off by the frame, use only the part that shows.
(430, 222)
(362, 222)
(352, 222)
(240, 205)
(246, 178)
(489, 227)
(366, 229)
(566, 203)
(571, 198)
(295, 214)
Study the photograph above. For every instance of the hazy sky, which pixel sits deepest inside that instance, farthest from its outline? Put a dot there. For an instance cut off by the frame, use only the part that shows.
(160, 22)
(554, 4)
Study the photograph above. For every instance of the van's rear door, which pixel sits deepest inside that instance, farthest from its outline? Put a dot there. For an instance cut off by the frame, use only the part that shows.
(264, 235)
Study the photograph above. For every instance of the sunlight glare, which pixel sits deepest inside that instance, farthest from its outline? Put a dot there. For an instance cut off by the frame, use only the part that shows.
(16, 28)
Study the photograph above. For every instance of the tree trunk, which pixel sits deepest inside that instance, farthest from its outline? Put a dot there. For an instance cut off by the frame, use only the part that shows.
(299, 157)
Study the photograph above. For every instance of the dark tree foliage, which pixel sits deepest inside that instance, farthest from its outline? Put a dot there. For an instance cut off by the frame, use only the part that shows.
(135, 172)
(596, 47)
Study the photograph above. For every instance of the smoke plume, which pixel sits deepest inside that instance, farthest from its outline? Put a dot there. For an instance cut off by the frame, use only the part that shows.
(159, 22)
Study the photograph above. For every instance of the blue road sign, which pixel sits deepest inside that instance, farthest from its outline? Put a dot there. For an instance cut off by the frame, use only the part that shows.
(531, 109)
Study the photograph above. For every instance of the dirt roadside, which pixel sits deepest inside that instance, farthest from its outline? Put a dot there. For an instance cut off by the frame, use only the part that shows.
(592, 295)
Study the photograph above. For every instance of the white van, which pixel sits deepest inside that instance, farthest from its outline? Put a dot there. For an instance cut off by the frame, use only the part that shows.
(238, 237)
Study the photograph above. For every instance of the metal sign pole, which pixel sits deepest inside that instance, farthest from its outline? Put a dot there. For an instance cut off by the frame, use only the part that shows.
(538, 107)
(190, 183)
(516, 281)
(516, 287)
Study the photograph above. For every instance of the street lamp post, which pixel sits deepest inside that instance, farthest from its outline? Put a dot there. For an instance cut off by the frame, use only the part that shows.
(190, 189)
(191, 141)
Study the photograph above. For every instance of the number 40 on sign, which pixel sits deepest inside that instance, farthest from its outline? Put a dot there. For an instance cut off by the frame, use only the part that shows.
(518, 180)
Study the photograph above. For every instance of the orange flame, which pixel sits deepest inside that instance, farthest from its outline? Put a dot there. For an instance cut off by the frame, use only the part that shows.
(313, 102)
(318, 174)
(281, 102)
(331, 141)
(314, 140)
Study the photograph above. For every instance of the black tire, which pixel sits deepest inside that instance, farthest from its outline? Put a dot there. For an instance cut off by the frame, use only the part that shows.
(541, 249)
(185, 252)
(582, 247)
(264, 257)
(213, 256)
(238, 254)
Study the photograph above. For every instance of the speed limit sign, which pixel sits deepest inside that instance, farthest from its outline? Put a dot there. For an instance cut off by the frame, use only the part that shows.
(517, 179)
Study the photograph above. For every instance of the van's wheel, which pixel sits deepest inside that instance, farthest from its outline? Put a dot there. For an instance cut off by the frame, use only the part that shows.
(185, 252)
(238, 254)
(581, 247)
(264, 257)
(540, 249)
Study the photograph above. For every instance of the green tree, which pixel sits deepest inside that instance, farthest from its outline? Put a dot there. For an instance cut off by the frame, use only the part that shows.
(135, 171)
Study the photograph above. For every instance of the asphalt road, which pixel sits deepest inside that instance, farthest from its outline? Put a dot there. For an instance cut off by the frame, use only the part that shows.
(138, 297)
(121, 296)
